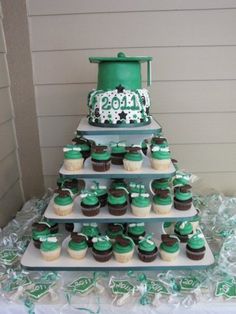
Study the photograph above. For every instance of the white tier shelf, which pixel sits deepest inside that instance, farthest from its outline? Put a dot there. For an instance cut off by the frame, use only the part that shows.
(33, 260)
(117, 171)
(105, 217)
(85, 128)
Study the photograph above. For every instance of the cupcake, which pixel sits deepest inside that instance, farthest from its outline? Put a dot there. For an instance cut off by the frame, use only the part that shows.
(84, 145)
(169, 227)
(160, 158)
(162, 202)
(90, 205)
(90, 230)
(101, 158)
(39, 230)
(169, 248)
(183, 197)
(159, 184)
(183, 230)
(63, 203)
(50, 249)
(141, 204)
(77, 246)
(117, 202)
(123, 249)
(135, 231)
(102, 249)
(133, 159)
(195, 248)
(101, 192)
(118, 151)
(74, 185)
(195, 221)
(73, 159)
(114, 230)
(147, 249)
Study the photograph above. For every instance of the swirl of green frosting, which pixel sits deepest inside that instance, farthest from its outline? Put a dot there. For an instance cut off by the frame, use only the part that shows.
(136, 230)
(147, 245)
(118, 149)
(170, 249)
(102, 245)
(77, 246)
(196, 241)
(84, 147)
(101, 156)
(63, 201)
(99, 191)
(47, 246)
(182, 196)
(162, 200)
(141, 201)
(184, 228)
(90, 231)
(116, 200)
(180, 181)
(123, 249)
(160, 155)
(133, 156)
(90, 200)
(38, 234)
(72, 154)
(160, 185)
(113, 234)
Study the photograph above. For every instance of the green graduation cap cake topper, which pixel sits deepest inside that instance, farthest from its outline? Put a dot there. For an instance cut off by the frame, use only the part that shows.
(121, 71)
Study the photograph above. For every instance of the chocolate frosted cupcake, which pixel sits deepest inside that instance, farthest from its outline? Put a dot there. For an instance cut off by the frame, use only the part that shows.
(102, 249)
(136, 230)
(90, 230)
(118, 151)
(101, 158)
(114, 231)
(183, 197)
(101, 192)
(133, 159)
(84, 145)
(90, 205)
(169, 247)
(77, 246)
(195, 248)
(162, 202)
(147, 249)
(123, 249)
(117, 202)
(183, 230)
(39, 231)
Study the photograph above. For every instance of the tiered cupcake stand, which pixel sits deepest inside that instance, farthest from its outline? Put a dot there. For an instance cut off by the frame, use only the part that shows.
(32, 258)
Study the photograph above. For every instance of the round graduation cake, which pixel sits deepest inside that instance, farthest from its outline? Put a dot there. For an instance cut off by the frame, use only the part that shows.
(119, 99)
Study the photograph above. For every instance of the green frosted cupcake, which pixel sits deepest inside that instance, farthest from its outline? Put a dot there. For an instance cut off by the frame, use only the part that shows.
(90, 204)
(133, 159)
(101, 158)
(162, 202)
(195, 248)
(50, 249)
(73, 159)
(118, 151)
(101, 192)
(90, 230)
(77, 246)
(183, 197)
(160, 158)
(102, 249)
(169, 247)
(147, 249)
(180, 179)
(39, 230)
(183, 230)
(141, 204)
(159, 185)
(117, 202)
(63, 203)
(84, 145)
(123, 249)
